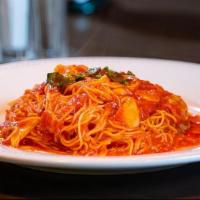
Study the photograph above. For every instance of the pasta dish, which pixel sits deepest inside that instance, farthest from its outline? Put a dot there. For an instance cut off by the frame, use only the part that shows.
(99, 112)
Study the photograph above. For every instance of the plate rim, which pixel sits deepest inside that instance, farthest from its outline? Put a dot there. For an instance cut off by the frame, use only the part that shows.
(98, 57)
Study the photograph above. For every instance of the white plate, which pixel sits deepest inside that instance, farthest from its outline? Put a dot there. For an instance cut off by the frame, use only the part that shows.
(179, 77)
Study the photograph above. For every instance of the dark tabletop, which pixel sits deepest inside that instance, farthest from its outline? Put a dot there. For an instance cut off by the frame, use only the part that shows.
(181, 182)
(139, 28)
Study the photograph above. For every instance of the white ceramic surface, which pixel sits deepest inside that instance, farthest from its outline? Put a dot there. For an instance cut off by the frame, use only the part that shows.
(181, 78)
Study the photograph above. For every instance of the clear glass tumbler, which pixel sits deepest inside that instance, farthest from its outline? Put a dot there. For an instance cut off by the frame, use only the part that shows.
(13, 28)
(31, 29)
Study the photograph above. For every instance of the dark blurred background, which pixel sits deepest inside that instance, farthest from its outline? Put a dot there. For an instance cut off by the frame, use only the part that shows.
(135, 28)
(139, 28)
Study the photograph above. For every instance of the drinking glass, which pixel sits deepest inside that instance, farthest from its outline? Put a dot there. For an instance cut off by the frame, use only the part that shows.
(32, 29)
